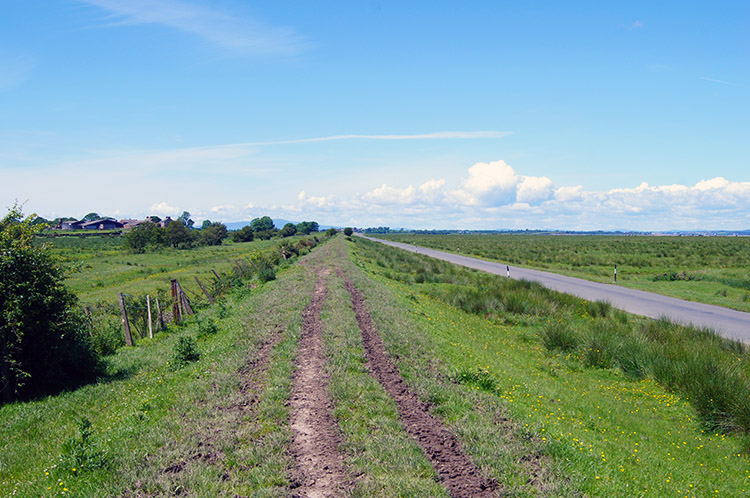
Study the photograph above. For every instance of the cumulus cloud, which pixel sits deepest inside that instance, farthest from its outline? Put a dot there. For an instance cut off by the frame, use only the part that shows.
(534, 189)
(494, 195)
(164, 209)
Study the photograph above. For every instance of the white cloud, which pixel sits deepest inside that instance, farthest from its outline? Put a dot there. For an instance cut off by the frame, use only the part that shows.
(438, 135)
(489, 184)
(164, 209)
(534, 189)
(495, 196)
(219, 28)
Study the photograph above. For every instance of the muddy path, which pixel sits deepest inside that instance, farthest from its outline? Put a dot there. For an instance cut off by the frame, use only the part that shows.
(457, 473)
(319, 466)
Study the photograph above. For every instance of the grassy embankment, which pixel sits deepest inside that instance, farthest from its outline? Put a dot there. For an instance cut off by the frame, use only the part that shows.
(538, 422)
(161, 428)
(615, 429)
(711, 270)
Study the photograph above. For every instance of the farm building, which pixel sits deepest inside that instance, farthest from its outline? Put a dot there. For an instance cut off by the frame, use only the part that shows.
(71, 225)
(102, 224)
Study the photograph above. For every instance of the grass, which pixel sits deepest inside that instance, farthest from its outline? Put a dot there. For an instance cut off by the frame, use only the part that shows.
(711, 270)
(612, 433)
(543, 420)
(166, 430)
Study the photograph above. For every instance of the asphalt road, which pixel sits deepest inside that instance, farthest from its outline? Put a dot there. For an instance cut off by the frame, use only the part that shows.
(726, 322)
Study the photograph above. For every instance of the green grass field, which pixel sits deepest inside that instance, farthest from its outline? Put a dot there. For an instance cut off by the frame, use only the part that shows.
(539, 421)
(713, 270)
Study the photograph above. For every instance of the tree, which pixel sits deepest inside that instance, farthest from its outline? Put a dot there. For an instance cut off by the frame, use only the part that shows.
(348, 231)
(288, 230)
(177, 235)
(144, 235)
(307, 227)
(331, 232)
(205, 224)
(245, 234)
(44, 343)
(91, 217)
(261, 224)
(214, 234)
(185, 219)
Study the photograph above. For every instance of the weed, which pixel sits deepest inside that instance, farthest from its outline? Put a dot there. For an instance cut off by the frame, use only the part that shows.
(82, 452)
(477, 377)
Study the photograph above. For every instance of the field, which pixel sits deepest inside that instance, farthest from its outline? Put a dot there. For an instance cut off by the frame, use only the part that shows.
(713, 270)
(101, 267)
(534, 410)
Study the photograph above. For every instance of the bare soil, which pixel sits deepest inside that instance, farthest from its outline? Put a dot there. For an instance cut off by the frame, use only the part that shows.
(457, 473)
(319, 470)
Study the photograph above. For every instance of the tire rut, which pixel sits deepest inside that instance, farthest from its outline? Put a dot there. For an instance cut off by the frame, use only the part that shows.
(319, 469)
(457, 473)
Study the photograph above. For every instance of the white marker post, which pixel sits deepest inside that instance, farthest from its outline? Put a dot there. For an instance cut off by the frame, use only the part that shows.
(615, 273)
(507, 269)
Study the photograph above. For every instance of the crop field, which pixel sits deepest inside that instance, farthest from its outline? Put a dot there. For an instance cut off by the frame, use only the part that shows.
(713, 270)
(362, 370)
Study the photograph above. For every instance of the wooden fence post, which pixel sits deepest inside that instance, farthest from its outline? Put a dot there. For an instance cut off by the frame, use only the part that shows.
(90, 320)
(184, 300)
(148, 308)
(176, 315)
(125, 324)
(210, 299)
(217, 276)
(161, 317)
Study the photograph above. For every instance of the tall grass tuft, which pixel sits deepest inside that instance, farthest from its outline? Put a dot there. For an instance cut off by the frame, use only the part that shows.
(559, 336)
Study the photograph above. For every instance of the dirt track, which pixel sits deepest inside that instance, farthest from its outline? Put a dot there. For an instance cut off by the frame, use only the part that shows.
(320, 470)
(457, 473)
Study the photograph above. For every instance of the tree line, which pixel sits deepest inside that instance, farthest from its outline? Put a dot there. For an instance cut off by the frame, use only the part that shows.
(180, 234)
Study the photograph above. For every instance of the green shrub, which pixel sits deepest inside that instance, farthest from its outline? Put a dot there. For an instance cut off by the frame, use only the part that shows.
(185, 351)
(107, 336)
(266, 273)
(45, 344)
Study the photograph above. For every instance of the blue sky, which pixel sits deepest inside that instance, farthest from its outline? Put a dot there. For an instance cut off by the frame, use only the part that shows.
(573, 115)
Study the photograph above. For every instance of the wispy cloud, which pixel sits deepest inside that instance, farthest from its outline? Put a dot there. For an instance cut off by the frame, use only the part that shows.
(638, 24)
(722, 82)
(439, 135)
(14, 69)
(230, 32)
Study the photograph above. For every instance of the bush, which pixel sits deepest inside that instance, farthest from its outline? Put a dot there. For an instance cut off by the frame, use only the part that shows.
(185, 351)
(266, 273)
(348, 231)
(244, 234)
(44, 341)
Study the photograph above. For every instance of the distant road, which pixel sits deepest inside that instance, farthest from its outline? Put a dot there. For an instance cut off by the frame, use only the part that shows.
(726, 322)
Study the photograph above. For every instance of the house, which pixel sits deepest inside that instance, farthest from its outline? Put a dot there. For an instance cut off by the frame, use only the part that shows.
(102, 224)
(130, 223)
(71, 225)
